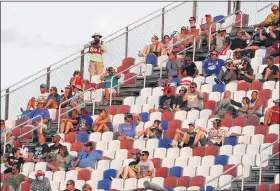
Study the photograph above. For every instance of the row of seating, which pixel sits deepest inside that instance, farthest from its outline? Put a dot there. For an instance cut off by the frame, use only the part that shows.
(272, 187)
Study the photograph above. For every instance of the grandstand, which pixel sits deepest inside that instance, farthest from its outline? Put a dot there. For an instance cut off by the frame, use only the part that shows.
(247, 162)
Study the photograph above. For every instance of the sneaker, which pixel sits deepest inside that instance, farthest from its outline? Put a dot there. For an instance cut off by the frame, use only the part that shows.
(170, 145)
(180, 146)
(192, 146)
(111, 178)
(218, 81)
(121, 176)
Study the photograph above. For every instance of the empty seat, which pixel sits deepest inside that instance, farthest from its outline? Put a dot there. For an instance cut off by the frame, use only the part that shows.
(152, 144)
(140, 183)
(129, 100)
(96, 136)
(193, 115)
(114, 145)
(117, 184)
(221, 159)
(226, 150)
(181, 161)
(167, 162)
(116, 164)
(199, 151)
(180, 115)
(207, 161)
(223, 180)
(202, 170)
(172, 152)
(130, 184)
(170, 182)
(146, 92)
(189, 171)
(158, 180)
(140, 100)
(194, 161)
(59, 176)
(248, 130)
(239, 149)
(176, 171)
(257, 139)
(198, 181)
(160, 153)
(216, 170)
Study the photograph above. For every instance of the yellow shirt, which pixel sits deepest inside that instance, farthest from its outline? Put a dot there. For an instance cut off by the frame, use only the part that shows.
(272, 18)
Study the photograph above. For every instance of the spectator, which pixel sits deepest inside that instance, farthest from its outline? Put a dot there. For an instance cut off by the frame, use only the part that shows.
(272, 18)
(43, 92)
(242, 111)
(89, 154)
(31, 105)
(77, 79)
(128, 129)
(193, 97)
(215, 134)
(254, 44)
(40, 183)
(103, 122)
(192, 21)
(152, 132)
(205, 28)
(70, 186)
(212, 65)
(167, 101)
(179, 41)
(187, 138)
(268, 38)
(272, 114)
(96, 51)
(5, 131)
(227, 73)
(131, 170)
(79, 98)
(271, 72)
(66, 96)
(274, 50)
(222, 42)
(255, 105)
(53, 99)
(107, 77)
(194, 33)
(224, 107)
(236, 58)
(70, 123)
(54, 148)
(85, 121)
(189, 68)
(172, 66)
(63, 160)
(167, 45)
(87, 187)
(14, 180)
(41, 150)
(14, 162)
(246, 73)
(240, 41)
(154, 48)
(180, 103)
(145, 166)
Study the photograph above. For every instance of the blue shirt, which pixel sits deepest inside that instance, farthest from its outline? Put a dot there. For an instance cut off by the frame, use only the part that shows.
(85, 121)
(42, 112)
(93, 156)
(56, 99)
(128, 129)
(213, 66)
(108, 81)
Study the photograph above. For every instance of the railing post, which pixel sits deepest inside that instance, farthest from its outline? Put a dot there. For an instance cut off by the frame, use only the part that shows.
(237, 6)
(126, 41)
(82, 65)
(162, 23)
(48, 79)
(7, 100)
(229, 7)
(195, 9)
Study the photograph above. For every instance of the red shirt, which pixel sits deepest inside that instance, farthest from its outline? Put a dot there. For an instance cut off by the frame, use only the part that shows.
(275, 115)
(276, 45)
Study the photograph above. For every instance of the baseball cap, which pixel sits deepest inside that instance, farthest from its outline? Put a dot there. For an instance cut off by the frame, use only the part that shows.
(88, 144)
(191, 19)
(136, 153)
(183, 28)
(192, 26)
(214, 52)
(192, 123)
(229, 61)
(43, 85)
(222, 29)
(208, 15)
(128, 115)
(167, 88)
(40, 173)
(57, 136)
(276, 101)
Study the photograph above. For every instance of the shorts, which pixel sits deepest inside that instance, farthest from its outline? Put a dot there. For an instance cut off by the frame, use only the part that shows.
(203, 141)
(113, 91)
(110, 126)
(210, 143)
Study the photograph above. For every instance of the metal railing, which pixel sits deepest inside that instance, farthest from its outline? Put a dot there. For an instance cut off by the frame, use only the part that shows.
(134, 76)
(263, 161)
(72, 98)
(19, 126)
(218, 176)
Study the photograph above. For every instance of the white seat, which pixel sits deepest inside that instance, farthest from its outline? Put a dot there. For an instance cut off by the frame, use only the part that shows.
(157, 91)
(253, 149)
(248, 130)
(181, 115)
(275, 94)
(198, 66)
(79, 184)
(215, 96)
(158, 180)
(173, 152)
(49, 175)
(93, 184)
(202, 171)
(155, 116)
(59, 176)
(193, 188)
(260, 53)
(249, 159)
(117, 183)
(226, 150)
(213, 183)
(257, 139)
(152, 144)
(206, 88)
(181, 161)
(210, 80)
(266, 152)
(148, 124)
(151, 153)
(188, 78)
(127, 161)
(102, 145)
(68, 145)
(40, 166)
(232, 87)
(235, 129)
(149, 69)
(160, 153)
(54, 185)
(52, 113)
(223, 180)
(167, 162)
(234, 159)
(199, 80)
(95, 79)
(147, 107)
(239, 149)
(98, 95)
(194, 161)
(139, 127)
(116, 164)
(270, 103)
(95, 137)
(140, 100)
(201, 122)
(118, 118)
(186, 152)
(189, 171)
(146, 92)
(114, 145)
(139, 144)
(136, 108)
(130, 183)
(216, 170)
(129, 100)
(180, 188)
(277, 179)
(258, 159)
(103, 164)
(27, 167)
(185, 123)
(261, 69)
(238, 95)
(255, 62)
(274, 129)
(244, 139)
(277, 85)
(193, 115)
(246, 171)
(71, 175)
(208, 161)
(97, 174)
(269, 85)
(107, 136)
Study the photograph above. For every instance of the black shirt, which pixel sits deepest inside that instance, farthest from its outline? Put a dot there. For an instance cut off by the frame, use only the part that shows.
(238, 43)
(55, 149)
(189, 69)
(40, 150)
(274, 69)
(16, 163)
(249, 71)
(269, 40)
(166, 102)
(180, 102)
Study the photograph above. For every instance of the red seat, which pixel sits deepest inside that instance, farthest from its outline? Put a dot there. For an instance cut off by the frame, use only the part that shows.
(17, 131)
(157, 162)
(277, 60)
(122, 68)
(261, 129)
(232, 172)
(162, 172)
(112, 110)
(262, 187)
(242, 85)
(212, 150)
(174, 124)
(77, 146)
(101, 85)
(184, 181)
(264, 102)
(91, 85)
(209, 105)
(84, 174)
(170, 182)
(275, 187)
(199, 151)
(132, 80)
(70, 137)
(127, 144)
(130, 155)
(270, 138)
(128, 61)
(28, 136)
(25, 186)
(266, 94)
(198, 181)
(276, 148)
(227, 122)
(206, 96)
(124, 109)
(240, 121)
(256, 85)
(169, 134)
(62, 110)
(168, 116)
(253, 120)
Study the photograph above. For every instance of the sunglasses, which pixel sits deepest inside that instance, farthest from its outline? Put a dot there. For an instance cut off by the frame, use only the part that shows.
(67, 88)
(192, 87)
(274, 10)
(183, 29)
(181, 90)
(68, 184)
(142, 155)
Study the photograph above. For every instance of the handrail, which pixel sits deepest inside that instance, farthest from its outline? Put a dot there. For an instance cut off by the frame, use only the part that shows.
(128, 78)
(261, 9)
(192, 46)
(263, 161)
(68, 100)
(242, 175)
(210, 35)
(5, 134)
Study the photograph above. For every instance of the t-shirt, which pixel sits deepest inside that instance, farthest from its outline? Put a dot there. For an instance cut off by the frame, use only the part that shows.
(272, 18)
(269, 40)
(14, 162)
(191, 137)
(145, 167)
(77, 119)
(274, 69)
(42, 112)
(213, 66)
(157, 132)
(93, 156)
(134, 165)
(55, 98)
(15, 180)
(180, 102)
(43, 96)
(42, 185)
(64, 162)
(249, 71)
(40, 150)
(193, 101)
(216, 136)
(224, 106)
(166, 102)
(128, 129)
(108, 81)
(85, 121)
(190, 69)
(238, 43)
(54, 150)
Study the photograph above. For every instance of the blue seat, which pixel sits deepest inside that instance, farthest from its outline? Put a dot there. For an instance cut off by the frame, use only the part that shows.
(104, 184)
(110, 173)
(208, 188)
(218, 88)
(144, 116)
(219, 17)
(164, 143)
(151, 59)
(221, 159)
(230, 141)
(176, 171)
(82, 137)
(86, 162)
(164, 124)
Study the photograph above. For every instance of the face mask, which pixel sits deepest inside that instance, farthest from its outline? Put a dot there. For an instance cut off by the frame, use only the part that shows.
(40, 177)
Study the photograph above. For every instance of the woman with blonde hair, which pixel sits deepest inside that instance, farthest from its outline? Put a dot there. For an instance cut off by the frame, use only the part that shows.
(103, 122)
(86, 187)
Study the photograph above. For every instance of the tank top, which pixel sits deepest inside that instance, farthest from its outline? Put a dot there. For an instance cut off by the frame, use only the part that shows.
(252, 105)
(152, 50)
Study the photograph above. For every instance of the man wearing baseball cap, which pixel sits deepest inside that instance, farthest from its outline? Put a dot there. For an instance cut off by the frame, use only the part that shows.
(54, 149)
(167, 101)
(127, 130)
(212, 65)
(205, 28)
(228, 73)
(272, 115)
(192, 21)
(40, 183)
(246, 72)
(222, 42)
